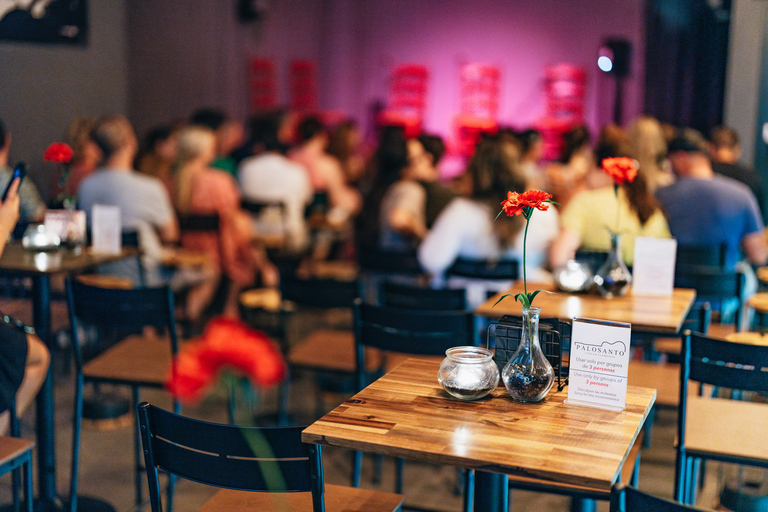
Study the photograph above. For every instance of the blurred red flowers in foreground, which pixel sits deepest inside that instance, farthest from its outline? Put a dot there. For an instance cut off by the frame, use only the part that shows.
(226, 344)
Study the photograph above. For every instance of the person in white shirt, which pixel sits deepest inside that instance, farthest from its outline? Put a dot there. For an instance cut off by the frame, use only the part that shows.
(466, 228)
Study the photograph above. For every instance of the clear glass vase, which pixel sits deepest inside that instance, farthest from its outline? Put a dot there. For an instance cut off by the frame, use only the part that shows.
(468, 373)
(528, 375)
(613, 278)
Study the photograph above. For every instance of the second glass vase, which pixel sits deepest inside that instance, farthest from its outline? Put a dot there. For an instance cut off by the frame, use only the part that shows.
(528, 375)
(613, 278)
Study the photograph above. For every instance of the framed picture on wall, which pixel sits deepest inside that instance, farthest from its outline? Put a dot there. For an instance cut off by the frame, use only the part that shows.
(44, 21)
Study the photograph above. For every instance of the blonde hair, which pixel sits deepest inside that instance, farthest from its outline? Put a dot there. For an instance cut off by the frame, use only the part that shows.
(649, 148)
(193, 141)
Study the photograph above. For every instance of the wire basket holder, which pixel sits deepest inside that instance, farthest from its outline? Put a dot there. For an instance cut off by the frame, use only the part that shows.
(503, 337)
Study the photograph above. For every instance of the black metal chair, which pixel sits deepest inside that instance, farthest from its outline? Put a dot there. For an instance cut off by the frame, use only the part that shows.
(263, 459)
(507, 269)
(16, 457)
(199, 222)
(401, 295)
(715, 285)
(132, 358)
(721, 429)
(625, 498)
(415, 332)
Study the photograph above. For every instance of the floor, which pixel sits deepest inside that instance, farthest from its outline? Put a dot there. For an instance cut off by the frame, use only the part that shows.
(106, 471)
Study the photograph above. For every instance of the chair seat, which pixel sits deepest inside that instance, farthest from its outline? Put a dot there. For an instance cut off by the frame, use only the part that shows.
(12, 448)
(337, 498)
(673, 345)
(724, 427)
(331, 350)
(142, 360)
(749, 338)
(759, 302)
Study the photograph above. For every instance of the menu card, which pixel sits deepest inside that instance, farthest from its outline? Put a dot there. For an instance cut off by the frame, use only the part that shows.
(106, 229)
(653, 271)
(599, 364)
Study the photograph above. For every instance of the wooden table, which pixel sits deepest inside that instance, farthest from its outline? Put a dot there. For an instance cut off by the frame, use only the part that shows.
(41, 266)
(407, 414)
(646, 313)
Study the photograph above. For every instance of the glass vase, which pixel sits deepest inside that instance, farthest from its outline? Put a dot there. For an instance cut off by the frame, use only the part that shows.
(528, 375)
(468, 373)
(613, 278)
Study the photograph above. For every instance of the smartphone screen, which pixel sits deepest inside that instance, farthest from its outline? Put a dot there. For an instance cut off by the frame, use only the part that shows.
(18, 172)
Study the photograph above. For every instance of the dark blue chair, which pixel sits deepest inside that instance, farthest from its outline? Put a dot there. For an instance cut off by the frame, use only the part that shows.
(261, 459)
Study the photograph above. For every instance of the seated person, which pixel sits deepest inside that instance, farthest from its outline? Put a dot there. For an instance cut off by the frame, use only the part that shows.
(24, 359)
(271, 176)
(32, 207)
(143, 200)
(411, 205)
(592, 215)
(467, 229)
(229, 133)
(203, 190)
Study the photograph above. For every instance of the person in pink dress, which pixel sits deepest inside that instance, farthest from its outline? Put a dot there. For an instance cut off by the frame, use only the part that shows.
(203, 190)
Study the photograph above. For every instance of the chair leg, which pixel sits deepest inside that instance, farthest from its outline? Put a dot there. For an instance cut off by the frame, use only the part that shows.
(399, 468)
(583, 505)
(28, 492)
(377, 463)
(357, 466)
(16, 473)
(649, 427)
(469, 489)
(136, 445)
(172, 478)
(76, 442)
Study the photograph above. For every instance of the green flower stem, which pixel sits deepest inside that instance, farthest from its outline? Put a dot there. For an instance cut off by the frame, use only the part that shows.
(527, 214)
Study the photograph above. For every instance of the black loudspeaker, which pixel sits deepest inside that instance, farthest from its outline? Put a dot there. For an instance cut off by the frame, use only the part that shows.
(622, 55)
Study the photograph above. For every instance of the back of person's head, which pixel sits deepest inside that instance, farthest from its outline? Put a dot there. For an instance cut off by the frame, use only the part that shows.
(494, 171)
(724, 137)
(688, 140)
(212, 118)
(612, 142)
(574, 140)
(194, 141)
(434, 145)
(528, 139)
(647, 143)
(264, 132)
(309, 128)
(111, 134)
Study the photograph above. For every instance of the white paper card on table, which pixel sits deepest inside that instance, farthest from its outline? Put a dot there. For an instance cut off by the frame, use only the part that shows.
(599, 364)
(653, 271)
(106, 229)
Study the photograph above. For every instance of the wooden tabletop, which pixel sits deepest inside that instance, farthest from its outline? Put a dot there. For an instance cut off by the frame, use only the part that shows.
(18, 259)
(646, 313)
(407, 414)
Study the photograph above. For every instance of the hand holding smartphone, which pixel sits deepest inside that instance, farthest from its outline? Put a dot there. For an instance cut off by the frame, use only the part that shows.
(18, 172)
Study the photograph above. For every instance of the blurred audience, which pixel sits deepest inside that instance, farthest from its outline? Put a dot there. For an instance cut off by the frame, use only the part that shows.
(412, 204)
(325, 172)
(704, 208)
(203, 190)
(531, 150)
(143, 200)
(271, 176)
(31, 205)
(467, 229)
(569, 174)
(345, 143)
(725, 151)
(648, 146)
(591, 216)
(230, 135)
(157, 154)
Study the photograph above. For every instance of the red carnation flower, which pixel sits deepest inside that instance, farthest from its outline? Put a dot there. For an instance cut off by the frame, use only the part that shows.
(620, 168)
(58, 153)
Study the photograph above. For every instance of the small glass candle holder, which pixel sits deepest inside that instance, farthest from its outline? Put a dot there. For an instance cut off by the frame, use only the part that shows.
(468, 373)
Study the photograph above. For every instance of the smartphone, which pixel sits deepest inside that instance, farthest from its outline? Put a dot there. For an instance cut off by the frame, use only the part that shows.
(18, 172)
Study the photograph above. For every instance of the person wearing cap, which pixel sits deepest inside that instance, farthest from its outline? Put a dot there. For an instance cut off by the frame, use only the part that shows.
(704, 208)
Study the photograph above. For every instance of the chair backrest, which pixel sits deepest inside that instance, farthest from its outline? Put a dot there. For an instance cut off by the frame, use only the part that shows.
(257, 207)
(392, 262)
(120, 310)
(628, 499)
(402, 295)
(696, 255)
(408, 331)
(713, 284)
(485, 269)
(265, 459)
(197, 222)
(317, 292)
